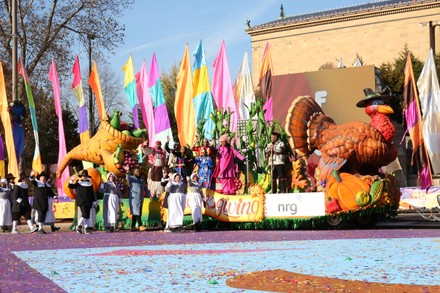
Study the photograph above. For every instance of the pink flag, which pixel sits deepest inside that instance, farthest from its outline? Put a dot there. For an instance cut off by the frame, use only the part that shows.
(222, 86)
(146, 102)
(53, 77)
(268, 115)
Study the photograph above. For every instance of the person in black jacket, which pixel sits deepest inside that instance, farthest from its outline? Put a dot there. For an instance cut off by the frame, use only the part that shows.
(20, 205)
(42, 192)
(85, 199)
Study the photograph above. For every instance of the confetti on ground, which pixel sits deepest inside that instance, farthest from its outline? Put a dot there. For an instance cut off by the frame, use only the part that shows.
(225, 260)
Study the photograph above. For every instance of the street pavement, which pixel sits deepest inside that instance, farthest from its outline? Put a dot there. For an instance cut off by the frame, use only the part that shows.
(402, 251)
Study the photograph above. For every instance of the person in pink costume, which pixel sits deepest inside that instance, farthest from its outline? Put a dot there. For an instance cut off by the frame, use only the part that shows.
(225, 168)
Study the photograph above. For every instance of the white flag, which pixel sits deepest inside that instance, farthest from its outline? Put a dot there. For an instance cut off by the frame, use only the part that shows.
(429, 93)
(243, 89)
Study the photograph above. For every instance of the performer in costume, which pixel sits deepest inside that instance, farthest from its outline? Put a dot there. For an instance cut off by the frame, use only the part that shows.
(5, 207)
(207, 146)
(138, 189)
(275, 153)
(20, 205)
(225, 168)
(176, 203)
(42, 192)
(188, 160)
(195, 201)
(85, 200)
(156, 158)
(175, 159)
(111, 201)
(167, 177)
(11, 181)
(205, 168)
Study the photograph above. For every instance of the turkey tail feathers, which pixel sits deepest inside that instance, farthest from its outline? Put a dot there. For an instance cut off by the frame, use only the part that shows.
(304, 122)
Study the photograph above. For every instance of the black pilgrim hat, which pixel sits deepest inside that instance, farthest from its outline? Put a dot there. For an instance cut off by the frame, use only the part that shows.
(370, 96)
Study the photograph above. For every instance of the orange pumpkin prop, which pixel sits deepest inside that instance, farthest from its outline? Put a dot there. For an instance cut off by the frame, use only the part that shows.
(344, 187)
(95, 177)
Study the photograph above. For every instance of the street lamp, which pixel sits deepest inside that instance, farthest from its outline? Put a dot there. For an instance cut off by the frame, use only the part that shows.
(89, 37)
(14, 50)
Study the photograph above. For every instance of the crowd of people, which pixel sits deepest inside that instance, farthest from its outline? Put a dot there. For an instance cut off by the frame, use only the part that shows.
(181, 172)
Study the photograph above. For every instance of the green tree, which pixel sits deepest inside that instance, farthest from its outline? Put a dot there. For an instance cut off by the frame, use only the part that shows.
(48, 129)
(393, 75)
(282, 15)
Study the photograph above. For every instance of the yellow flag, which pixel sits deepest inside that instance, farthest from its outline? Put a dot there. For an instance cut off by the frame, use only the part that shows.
(6, 119)
(183, 104)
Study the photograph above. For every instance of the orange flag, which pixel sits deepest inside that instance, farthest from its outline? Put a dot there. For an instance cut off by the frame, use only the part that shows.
(6, 120)
(96, 88)
(183, 104)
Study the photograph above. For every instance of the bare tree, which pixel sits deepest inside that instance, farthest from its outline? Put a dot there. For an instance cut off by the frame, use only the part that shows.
(111, 86)
(48, 28)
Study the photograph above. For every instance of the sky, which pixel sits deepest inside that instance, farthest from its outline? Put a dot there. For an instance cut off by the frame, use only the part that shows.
(165, 27)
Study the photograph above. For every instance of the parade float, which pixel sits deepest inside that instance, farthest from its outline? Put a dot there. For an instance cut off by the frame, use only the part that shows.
(341, 185)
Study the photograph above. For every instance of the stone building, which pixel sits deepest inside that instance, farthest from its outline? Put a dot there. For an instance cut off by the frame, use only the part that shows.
(377, 32)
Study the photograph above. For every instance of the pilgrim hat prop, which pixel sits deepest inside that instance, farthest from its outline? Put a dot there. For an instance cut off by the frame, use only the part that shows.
(370, 96)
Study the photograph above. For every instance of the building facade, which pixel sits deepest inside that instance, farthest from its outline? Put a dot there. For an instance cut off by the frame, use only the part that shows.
(377, 32)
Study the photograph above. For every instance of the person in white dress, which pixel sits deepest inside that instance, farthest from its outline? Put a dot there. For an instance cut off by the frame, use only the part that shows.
(5, 207)
(111, 201)
(195, 201)
(176, 203)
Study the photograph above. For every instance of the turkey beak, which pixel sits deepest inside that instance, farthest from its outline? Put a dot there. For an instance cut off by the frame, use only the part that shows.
(385, 109)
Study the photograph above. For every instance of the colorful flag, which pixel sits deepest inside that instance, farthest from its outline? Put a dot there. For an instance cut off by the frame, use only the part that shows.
(96, 88)
(243, 89)
(146, 103)
(265, 82)
(36, 161)
(414, 126)
(429, 92)
(53, 77)
(183, 104)
(6, 120)
(77, 88)
(130, 89)
(268, 116)
(2, 159)
(161, 119)
(202, 97)
(222, 87)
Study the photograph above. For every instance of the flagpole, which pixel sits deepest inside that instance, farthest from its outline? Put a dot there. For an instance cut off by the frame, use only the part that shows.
(14, 50)
(91, 37)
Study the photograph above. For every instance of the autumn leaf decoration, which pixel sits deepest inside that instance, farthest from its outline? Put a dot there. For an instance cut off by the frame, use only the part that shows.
(298, 180)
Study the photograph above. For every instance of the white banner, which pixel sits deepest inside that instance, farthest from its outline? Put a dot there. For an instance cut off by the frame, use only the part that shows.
(295, 205)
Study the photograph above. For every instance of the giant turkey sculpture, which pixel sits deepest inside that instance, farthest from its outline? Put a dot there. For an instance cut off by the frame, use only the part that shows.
(353, 147)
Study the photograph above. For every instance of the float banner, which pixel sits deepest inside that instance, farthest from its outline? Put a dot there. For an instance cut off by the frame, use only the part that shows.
(233, 208)
(295, 205)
